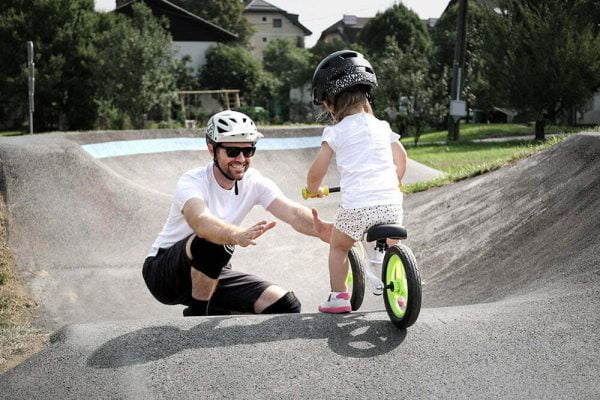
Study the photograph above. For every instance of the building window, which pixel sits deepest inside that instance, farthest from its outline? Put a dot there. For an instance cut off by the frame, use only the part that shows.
(264, 19)
(276, 22)
(264, 39)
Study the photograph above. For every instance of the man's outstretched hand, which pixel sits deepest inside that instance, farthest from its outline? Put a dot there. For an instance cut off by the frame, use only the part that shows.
(246, 238)
(322, 228)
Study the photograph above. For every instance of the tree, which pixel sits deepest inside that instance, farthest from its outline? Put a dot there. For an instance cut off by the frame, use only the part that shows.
(408, 94)
(232, 67)
(228, 14)
(477, 88)
(62, 32)
(135, 64)
(543, 57)
(401, 24)
(290, 65)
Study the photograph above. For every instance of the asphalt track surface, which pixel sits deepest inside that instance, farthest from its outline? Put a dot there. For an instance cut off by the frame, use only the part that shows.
(509, 260)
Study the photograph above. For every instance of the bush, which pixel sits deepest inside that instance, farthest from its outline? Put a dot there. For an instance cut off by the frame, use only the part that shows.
(258, 114)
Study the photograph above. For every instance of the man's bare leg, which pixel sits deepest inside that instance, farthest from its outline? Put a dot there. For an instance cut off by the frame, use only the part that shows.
(203, 287)
(268, 297)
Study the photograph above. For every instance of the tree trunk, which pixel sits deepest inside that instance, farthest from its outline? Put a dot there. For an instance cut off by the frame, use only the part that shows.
(540, 126)
(453, 130)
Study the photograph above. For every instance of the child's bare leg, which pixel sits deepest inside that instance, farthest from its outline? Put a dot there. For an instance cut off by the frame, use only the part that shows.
(339, 246)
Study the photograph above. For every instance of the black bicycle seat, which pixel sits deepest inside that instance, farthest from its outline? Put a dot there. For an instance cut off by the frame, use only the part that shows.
(386, 231)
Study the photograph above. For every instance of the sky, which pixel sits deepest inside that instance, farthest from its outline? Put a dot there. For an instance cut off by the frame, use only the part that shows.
(318, 15)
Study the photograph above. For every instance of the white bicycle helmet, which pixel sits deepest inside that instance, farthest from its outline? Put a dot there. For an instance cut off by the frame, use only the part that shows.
(232, 126)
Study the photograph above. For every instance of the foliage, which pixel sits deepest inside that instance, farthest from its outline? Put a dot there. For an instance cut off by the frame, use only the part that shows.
(85, 62)
(290, 65)
(288, 62)
(477, 87)
(233, 67)
(407, 92)
(258, 114)
(401, 24)
(144, 79)
(62, 33)
(543, 57)
(227, 14)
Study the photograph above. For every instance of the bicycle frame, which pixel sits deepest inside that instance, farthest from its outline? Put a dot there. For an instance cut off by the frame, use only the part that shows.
(372, 254)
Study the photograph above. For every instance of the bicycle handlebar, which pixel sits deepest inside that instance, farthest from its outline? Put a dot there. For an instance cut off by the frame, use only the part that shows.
(325, 189)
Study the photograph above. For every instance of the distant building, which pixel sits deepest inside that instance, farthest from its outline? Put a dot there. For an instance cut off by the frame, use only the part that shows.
(191, 34)
(271, 22)
(345, 29)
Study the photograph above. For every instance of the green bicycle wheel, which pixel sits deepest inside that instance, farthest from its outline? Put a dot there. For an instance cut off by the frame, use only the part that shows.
(402, 295)
(356, 278)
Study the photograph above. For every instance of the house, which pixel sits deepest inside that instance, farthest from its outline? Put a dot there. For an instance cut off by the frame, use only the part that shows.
(345, 29)
(191, 34)
(271, 22)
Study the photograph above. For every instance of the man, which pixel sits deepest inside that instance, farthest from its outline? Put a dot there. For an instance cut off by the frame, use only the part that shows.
(189, 260)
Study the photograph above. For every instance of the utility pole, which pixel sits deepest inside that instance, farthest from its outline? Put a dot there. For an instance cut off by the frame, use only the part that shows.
(31, 71)
(458, 107)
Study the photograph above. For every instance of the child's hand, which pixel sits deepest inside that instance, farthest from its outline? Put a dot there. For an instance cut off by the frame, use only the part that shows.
(306, 194)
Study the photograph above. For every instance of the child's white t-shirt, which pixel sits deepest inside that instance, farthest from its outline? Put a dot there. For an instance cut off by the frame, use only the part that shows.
(253, 189)
(364, 160)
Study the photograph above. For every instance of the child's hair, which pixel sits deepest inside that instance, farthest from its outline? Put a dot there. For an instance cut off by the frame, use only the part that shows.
(347, 103)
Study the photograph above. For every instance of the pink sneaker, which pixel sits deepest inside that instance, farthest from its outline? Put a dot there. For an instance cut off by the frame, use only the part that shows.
(338, 302)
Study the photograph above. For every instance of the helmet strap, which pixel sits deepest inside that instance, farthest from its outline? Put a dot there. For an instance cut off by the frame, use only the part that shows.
(235, 185)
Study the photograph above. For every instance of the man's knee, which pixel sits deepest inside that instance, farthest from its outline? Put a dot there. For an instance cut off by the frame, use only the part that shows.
(288, 303)
(209, 258)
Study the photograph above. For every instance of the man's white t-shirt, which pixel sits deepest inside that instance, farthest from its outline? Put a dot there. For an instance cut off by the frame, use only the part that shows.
(253, 189)
(364, 160)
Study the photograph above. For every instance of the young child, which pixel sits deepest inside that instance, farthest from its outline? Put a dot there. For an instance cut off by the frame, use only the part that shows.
(369, 157)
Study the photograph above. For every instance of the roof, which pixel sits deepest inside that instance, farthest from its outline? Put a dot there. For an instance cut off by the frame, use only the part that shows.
(348, 27)
(184, 25)
(261, 6)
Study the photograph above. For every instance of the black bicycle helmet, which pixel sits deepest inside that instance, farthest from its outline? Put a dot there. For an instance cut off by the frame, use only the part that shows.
(339, 71)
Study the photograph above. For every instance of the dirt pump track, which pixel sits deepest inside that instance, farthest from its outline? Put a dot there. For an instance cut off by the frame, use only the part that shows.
(509, 260)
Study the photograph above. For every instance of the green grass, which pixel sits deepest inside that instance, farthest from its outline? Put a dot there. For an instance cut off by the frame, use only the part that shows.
(469, 132)
(467, 159)
(11, 133)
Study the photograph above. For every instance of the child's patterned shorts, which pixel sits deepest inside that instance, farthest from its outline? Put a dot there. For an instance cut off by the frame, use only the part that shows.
(354, 222)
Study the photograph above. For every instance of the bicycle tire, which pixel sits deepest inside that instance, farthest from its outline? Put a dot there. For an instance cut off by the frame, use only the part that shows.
(402, 280)
(356, 278)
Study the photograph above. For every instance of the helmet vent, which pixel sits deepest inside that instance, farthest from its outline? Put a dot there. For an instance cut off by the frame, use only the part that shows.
(221, 130)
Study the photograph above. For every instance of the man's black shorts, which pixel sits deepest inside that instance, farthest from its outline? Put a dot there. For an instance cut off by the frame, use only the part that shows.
(168, 278)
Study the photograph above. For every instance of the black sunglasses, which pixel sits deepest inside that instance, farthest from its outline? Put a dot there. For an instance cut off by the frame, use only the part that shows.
(233, 152)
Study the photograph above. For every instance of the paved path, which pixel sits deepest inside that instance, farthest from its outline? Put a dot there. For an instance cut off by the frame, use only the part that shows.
(509, 261)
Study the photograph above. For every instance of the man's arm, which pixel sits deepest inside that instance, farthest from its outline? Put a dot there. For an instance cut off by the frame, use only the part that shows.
(301, 218)
(215, 230)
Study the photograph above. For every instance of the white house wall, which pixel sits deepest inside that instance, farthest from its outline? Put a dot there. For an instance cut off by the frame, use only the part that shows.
(265, 31)
(196, 50)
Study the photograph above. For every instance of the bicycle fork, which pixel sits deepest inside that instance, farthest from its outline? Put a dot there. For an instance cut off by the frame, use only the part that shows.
(374, 257)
